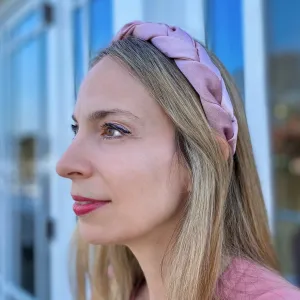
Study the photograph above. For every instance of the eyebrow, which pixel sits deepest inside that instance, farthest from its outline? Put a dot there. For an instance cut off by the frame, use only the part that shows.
(102, 114)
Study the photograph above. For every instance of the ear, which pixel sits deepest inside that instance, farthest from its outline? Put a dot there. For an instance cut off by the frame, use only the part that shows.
(224, 147)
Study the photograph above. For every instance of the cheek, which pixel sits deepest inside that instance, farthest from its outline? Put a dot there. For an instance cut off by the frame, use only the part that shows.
(146, 186)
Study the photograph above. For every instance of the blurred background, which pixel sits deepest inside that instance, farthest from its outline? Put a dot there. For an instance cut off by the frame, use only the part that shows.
(45, 47)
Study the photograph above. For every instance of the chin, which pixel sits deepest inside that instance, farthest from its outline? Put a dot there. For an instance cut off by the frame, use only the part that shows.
(93, 234)
(98, 235)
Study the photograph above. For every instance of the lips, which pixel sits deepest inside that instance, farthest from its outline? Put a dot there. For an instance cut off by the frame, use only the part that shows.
(83, 205)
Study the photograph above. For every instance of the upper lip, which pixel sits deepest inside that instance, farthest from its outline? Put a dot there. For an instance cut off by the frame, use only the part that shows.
(85, 199)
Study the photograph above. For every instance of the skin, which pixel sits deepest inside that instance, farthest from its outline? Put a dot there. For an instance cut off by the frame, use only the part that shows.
(138, 171)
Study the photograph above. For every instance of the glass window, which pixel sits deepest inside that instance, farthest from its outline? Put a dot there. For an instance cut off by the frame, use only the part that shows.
(283, 57)
(100, 24)
(78, 46)
(32, 21)
(224, 36)
(3, 83)
(3, 167)
(27, 94)
(26, 198)
(27, 124)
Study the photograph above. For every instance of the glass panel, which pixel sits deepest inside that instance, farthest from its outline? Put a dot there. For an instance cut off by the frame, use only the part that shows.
(29, 23)
(283, 55)
(288, 247)
(78, 46)
(27, 92)
(27, 134)
(5, 163)
(224, 36)
(100, 24)
(2, 161)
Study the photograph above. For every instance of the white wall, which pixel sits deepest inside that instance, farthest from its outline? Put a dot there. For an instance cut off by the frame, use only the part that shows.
(188, 14)
(126, 11)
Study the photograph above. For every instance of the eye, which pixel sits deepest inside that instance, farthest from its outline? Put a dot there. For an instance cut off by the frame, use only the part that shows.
(112, 131)
(74, 128)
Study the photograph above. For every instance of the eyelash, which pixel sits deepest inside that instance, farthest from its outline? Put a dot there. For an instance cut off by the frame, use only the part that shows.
(107, 126)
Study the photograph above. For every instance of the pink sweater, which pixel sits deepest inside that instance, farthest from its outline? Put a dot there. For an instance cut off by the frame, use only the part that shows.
(244, 280)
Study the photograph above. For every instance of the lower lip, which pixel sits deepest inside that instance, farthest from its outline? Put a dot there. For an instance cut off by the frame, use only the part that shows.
(83, 209)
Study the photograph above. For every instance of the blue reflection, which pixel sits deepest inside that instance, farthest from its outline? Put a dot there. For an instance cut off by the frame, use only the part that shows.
(3, 91)
(27, 91)
(283, 25)
(27, 122)
(100, 24)
(29, 23)
(78, 46)
(224, 35)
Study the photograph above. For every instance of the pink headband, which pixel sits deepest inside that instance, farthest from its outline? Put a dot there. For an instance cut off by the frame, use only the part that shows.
(194, 62)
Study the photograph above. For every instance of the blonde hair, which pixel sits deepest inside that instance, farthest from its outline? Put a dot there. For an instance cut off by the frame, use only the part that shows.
(225, 214)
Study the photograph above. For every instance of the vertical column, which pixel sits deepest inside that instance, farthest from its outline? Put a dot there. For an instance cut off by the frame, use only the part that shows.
(126, 11)
(60, 108)
(2, 170)
(86, 36)
(195, 18)
(256, 98)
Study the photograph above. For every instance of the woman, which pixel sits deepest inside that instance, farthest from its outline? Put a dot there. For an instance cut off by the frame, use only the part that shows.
(163, 177)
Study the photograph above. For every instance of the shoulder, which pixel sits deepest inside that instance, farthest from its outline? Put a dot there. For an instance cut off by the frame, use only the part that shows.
(289, 293)
(245, 280)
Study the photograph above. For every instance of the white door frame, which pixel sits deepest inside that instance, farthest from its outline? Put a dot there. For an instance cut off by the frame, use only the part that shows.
(3, 170)
(60, 107)
(11, 14)
(256, 97)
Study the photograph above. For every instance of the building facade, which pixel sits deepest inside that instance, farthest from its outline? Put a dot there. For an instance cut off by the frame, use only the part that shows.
(45, 48)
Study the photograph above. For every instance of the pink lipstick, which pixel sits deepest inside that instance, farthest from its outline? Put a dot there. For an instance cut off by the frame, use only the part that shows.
(83, 205)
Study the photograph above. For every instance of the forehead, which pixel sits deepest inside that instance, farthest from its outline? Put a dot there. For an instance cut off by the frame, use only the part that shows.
(109, 84)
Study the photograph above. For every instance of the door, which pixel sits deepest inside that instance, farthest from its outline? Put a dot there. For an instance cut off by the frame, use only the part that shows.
(24, 231)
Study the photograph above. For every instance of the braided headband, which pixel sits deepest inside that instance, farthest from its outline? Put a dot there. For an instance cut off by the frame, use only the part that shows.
(194, 62)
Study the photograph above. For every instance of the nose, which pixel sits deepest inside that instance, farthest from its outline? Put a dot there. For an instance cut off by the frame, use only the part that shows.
(74, 164)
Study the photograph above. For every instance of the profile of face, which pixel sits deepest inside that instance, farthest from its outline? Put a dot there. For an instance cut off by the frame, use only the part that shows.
(124, 152)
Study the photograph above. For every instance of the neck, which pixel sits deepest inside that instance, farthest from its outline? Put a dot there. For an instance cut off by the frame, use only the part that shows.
(150, 252)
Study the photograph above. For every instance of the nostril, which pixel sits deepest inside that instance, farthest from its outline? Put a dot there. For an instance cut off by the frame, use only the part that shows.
(74, 174)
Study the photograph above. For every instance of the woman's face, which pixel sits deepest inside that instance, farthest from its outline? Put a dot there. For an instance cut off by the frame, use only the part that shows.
(124, 152)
